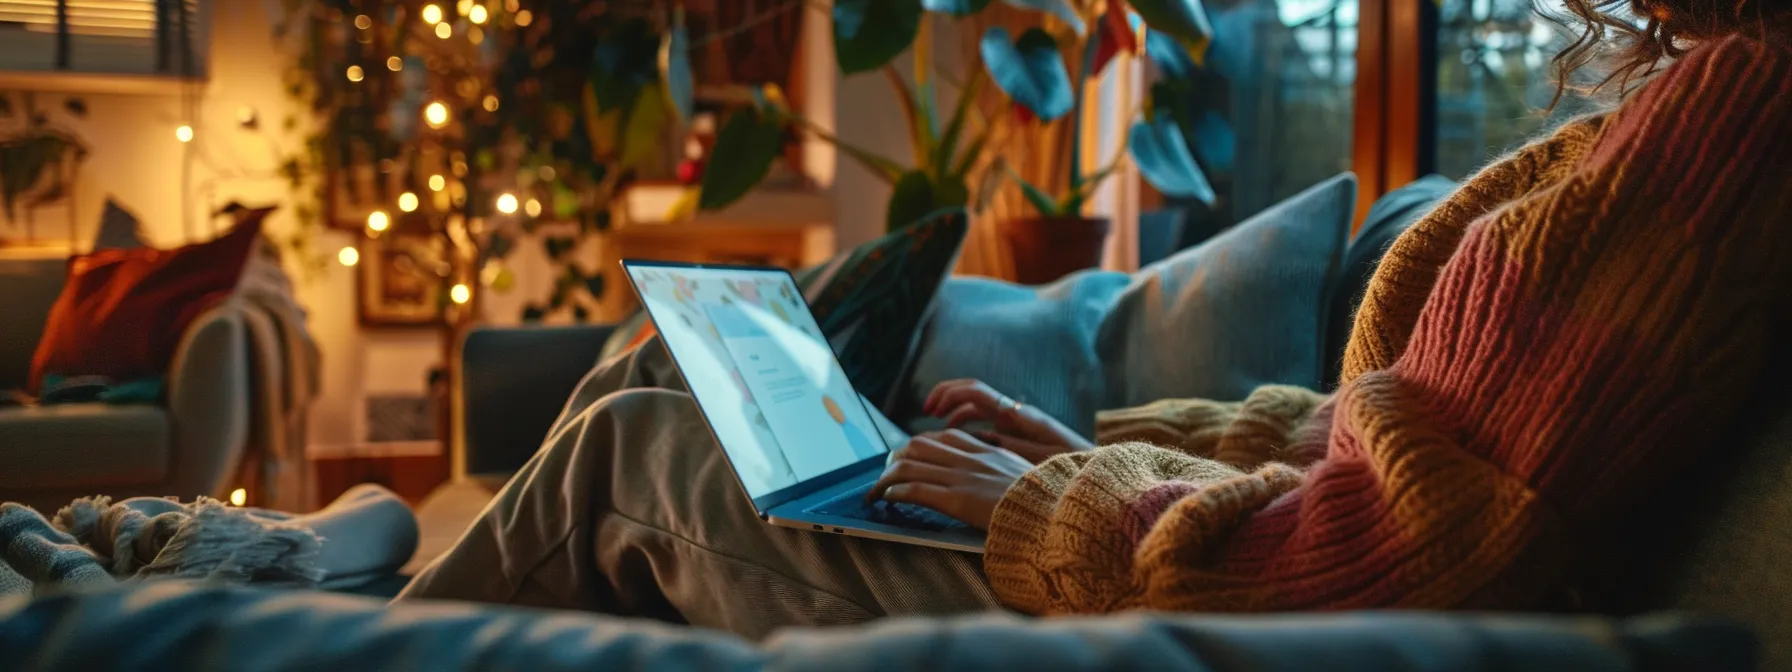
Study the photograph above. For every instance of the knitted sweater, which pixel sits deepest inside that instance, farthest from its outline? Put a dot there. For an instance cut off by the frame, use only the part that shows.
(1534, 358)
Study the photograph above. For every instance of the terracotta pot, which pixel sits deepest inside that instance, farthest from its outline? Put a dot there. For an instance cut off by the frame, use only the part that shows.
(1047, 248)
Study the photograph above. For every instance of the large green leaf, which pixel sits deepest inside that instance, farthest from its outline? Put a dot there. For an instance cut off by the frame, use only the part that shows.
(868, 33)
(911, 200)
(643, 133)
(743, 154)
(1164, 159)
(1030, 71)
(955, 7)
(1059, 8)
(1184, 20)
(675, 71)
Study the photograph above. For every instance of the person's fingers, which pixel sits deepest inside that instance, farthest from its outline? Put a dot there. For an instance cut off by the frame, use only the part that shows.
(965, 414)
(932, 405)
(962, 440)
(908, 471)
(1033, 451)
(926, 449)
(979, 395)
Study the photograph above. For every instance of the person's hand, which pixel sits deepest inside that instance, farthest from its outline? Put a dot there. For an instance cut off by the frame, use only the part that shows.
(953, 473)
(1027, 431)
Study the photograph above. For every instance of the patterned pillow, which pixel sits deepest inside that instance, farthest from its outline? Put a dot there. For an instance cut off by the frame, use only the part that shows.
(870, 301)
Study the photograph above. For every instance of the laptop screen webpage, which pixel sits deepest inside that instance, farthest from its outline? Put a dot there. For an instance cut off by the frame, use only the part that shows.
(758, 365)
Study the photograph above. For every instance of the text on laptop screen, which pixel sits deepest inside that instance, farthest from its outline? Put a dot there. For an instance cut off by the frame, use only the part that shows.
(757, 363)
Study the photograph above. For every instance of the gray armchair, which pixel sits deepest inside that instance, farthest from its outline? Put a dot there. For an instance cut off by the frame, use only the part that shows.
(191, 445)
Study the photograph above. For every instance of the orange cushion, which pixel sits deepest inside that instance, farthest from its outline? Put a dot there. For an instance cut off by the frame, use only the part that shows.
(122, 312)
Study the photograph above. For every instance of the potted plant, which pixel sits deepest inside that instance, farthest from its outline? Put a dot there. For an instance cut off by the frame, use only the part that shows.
(1031, 69)
(948, 166)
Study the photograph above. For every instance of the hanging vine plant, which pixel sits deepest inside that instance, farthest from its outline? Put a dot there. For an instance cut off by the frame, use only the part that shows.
(37, 159)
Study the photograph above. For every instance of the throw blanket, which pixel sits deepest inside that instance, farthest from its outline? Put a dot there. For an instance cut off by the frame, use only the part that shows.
(1535, 358)
(95, 542)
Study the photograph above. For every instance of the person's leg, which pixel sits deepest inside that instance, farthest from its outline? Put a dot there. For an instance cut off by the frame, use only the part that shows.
(630, 509)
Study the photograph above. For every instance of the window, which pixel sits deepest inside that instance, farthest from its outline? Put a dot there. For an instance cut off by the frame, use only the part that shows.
(120, 37)
(1274, 106)
(1495, 79)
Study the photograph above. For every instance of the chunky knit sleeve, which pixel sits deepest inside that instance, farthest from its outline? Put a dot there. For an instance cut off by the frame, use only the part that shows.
(1266, 427)
(1584, 343)
(1409, 268)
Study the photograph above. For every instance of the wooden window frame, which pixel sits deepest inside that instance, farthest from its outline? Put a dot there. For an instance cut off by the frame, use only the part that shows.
(1395, 134)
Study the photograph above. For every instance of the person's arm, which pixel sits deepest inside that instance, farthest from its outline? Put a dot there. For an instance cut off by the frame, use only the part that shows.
(1584, 344)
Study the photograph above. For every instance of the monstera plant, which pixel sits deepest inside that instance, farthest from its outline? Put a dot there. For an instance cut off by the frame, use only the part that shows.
(1030, 69)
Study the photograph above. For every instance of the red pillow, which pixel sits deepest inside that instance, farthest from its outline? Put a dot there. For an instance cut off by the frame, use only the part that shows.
(123, 311)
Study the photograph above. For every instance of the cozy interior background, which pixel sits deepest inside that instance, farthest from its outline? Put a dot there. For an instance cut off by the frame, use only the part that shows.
(172, 187)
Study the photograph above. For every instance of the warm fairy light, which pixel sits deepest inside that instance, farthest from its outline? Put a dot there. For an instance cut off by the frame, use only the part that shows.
(395, 64)
(524, 17)
(407, 202)
(436, 114)
(511, 5)
(475, 35)
(363, 22)
(432, 14)
(460, 293)
(444, 30)
(184, 133)
(239, 497)
(532, 208)
(378, 220)
(507, 204)
(477, 14)
(463, 7)
(437, 183)
(491, 103)
(355, 74)
(349, 256)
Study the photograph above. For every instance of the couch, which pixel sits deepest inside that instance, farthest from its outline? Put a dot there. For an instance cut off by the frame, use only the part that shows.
(217, 417)
(1716, 548)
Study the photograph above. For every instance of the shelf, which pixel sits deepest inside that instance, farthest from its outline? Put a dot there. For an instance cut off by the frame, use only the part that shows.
(91, 83)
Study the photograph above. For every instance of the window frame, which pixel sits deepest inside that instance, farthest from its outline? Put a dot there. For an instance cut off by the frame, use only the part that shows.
(170, 71)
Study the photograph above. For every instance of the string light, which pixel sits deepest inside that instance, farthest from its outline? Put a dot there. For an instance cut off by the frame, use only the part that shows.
(363, 22)
(378, 221)
(511, 5)
(507, 204)
(460, 293)
(477, 14)
(184, 133)
(532, 208)
(407, 202)
(355, 74)
(395, 64)
(437, 183)
(444, 30)
(463, 7)
(349, 256)
(436, 114)
(239, 497)
(547, 173)
(523, 18)
(432, 14)
(491, 103)
(475, 35)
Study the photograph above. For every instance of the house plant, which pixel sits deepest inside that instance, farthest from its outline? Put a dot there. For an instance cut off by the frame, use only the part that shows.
(949, 167)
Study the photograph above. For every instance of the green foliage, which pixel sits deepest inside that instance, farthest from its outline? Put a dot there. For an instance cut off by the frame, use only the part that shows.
(1183, 20)
(1163, 158)
(869, 33)
(745, 148)
(1030, 70)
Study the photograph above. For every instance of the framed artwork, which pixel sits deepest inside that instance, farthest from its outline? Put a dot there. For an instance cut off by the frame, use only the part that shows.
(398, 282)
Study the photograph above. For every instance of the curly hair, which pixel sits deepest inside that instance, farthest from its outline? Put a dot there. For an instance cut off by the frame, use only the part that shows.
(1647, 32)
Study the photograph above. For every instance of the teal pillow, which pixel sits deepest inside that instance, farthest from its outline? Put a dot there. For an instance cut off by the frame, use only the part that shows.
(870, 301)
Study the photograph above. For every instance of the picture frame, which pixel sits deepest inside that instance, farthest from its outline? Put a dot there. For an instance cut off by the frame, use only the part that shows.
(397, 283)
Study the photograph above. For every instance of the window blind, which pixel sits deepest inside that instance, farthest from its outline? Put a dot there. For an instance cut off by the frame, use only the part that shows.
(147, 37)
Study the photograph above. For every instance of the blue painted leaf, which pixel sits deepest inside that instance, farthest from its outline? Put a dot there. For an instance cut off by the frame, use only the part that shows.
(675, 71)
(955, 7)
(1183, 20)
(1215, 141)
(868, 33)
(1030, 71)
(1059, 8)
(1170, 57)
(1164, 159)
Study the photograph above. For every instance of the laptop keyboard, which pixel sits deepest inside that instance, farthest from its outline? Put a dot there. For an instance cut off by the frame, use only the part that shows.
(853, 505)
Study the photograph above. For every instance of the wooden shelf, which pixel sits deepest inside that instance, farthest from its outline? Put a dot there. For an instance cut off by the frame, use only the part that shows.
(92, 83)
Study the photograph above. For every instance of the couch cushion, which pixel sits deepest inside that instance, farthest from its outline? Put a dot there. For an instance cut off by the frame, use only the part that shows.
(1215, 321)
(28, 287)
(83, 445)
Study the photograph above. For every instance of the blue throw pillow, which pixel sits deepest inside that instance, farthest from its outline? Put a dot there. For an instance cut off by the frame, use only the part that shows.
(1215, 321)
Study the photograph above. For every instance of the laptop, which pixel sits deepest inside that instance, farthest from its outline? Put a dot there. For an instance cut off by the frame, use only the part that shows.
(800, 440)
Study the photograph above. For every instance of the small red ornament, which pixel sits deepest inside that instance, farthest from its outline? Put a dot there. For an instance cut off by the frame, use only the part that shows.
(1023, 115)
(690, 171)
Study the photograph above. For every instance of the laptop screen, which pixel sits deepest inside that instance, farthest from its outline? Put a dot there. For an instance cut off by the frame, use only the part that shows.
(761, 371)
